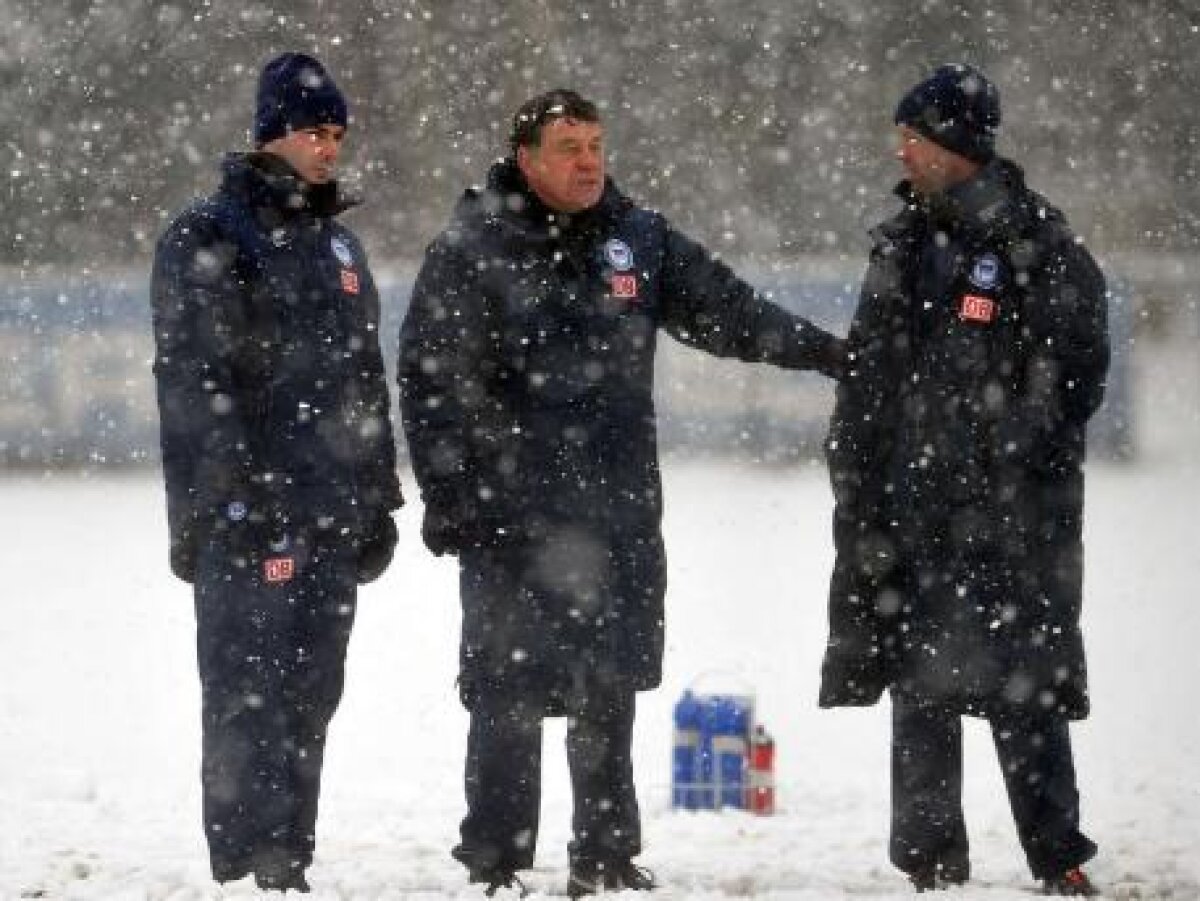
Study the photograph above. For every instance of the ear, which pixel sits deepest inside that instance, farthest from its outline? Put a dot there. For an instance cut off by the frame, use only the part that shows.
(524, 159)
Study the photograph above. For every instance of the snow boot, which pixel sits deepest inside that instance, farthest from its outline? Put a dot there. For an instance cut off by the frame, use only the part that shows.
(495, 878)
(592, 877)
(1073, 883)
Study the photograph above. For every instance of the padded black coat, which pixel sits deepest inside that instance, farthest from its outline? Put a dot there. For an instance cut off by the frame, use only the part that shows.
(526, 374)
(979, 351)
(272, 394)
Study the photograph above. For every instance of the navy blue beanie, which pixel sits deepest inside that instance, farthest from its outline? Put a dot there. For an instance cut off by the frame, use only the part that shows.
(957, 108)
(294, 92)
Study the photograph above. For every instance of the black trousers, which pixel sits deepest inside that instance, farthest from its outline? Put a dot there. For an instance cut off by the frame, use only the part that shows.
(928, 829)
(503, 782)
(271, 658)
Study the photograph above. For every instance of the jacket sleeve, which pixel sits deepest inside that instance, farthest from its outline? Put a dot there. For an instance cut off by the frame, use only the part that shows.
(707, 306)
(1066, 329)
(856, 445)
(854, 669)
(379, 486)
(198, 318)
(443, 374)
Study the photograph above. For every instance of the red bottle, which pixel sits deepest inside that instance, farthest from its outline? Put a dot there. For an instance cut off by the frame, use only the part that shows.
(760, 786)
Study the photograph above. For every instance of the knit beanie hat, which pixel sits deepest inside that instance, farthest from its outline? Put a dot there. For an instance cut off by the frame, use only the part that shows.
(294, 92)
(957, 108)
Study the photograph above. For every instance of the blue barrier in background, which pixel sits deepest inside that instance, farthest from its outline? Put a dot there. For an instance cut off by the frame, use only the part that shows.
(76, 386)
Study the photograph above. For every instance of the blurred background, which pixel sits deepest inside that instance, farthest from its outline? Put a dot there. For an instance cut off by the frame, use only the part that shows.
(761, 127)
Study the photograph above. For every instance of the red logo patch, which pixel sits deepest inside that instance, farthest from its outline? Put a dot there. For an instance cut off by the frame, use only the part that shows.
(973, 308)
(624, 285)
(349, 281)
(279, 569)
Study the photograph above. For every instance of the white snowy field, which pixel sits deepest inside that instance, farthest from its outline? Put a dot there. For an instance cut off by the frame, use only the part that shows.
(99, 731)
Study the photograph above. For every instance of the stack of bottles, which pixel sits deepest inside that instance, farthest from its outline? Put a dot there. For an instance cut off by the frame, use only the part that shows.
(721, 758)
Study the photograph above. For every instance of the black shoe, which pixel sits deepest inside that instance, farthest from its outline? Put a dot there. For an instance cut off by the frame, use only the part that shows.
(938, 878)
(589, 877)
(496, 879)
(1074, 883)
(285, 880)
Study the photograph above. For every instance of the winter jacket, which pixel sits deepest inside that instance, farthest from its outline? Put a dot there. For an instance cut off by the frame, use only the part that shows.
(526, 375)
(979, 351)
(271, 388)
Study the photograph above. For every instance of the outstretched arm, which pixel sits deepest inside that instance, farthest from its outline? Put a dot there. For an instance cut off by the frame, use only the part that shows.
(707, 306)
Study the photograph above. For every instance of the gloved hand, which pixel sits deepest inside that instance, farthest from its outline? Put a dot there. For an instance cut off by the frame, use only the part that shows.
(442, 531)
(375, 550)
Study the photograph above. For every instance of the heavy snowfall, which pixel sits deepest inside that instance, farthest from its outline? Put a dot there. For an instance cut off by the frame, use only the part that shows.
(99, 701)
(763, 128)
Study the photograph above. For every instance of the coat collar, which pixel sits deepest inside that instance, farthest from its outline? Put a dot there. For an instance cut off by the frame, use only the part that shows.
(509, 204)
(994, 206)
(274, 190)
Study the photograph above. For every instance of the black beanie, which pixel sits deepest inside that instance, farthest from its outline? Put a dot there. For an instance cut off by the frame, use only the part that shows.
(956, 107)
(294, 92)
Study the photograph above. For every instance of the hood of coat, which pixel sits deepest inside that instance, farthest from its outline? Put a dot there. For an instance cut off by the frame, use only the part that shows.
(508, 205)
(274, 190)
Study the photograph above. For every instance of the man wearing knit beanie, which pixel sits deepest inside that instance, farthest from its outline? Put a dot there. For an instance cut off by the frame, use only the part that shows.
(956, 449)
(279, 464)
(294, 93)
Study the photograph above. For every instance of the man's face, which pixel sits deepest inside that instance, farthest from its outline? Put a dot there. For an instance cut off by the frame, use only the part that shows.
(566, 170)
(930, 167)
(312, 152)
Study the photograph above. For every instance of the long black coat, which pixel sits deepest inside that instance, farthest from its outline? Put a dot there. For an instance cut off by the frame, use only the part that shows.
(979, 351)
(526, 374)
(272, 393)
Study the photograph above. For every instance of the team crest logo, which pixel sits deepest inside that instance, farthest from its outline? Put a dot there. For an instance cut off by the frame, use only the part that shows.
(350, 281)
(341, 250)
(618, 254)
(985, 273)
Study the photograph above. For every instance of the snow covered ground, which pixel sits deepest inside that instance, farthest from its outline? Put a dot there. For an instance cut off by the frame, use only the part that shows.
(99, 737)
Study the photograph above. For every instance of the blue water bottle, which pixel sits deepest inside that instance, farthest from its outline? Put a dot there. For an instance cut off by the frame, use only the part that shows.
(685, 753)
(725, 730)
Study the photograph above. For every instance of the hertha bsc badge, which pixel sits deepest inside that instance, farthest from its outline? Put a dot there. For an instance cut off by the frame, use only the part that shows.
(617, 254)
(985, 273)
(625, 286)
(342, 251)
(349, 281)
(278, 569)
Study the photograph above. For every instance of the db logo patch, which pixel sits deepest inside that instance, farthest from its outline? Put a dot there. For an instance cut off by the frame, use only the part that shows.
(973, 308)
(349, 281)
(279, 569)
(625, 285)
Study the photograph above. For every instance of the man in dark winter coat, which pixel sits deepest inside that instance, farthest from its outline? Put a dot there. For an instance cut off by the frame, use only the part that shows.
(978, 353)
(279, 463)
(526, 367)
